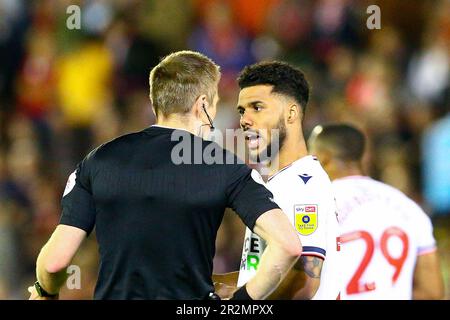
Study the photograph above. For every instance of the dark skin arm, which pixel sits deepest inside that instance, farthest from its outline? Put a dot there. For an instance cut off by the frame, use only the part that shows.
(229, 279)
(428, 282)
(302, 281)
(225, 284)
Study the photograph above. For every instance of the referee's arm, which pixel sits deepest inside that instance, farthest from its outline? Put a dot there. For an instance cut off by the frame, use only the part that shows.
(253, 203)
(282, 251)
(77, 221)
(55, 257)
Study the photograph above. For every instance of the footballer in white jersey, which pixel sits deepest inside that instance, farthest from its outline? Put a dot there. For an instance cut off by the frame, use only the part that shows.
(387, 246)
(304, 193)
(383, 232)
(272, 103)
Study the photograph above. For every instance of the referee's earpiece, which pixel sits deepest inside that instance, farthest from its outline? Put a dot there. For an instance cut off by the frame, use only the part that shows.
(204, 107)
(211, 125)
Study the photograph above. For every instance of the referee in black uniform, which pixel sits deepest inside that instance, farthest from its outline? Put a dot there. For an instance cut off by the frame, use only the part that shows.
(156, 219)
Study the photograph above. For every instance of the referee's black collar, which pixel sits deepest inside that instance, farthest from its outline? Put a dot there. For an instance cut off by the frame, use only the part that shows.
(164, 129)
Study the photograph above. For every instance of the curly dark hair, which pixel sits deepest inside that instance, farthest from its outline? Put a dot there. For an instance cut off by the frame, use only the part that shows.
(285, 79)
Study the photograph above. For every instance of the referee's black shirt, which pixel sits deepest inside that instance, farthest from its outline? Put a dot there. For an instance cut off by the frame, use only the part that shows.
(156, 222)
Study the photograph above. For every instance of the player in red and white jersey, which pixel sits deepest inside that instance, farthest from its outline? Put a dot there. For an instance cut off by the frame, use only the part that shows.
(274, 96)
(387, 246)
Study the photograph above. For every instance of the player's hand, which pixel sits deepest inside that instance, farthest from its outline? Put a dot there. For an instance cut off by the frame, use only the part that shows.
(35, 296)
(223, 290)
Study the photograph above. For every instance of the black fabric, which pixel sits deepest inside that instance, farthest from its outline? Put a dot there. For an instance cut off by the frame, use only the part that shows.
(156, 221)
(241, 294)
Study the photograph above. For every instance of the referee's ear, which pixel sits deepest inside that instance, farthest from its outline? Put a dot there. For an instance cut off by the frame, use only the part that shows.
(154, 111)
(197, 108)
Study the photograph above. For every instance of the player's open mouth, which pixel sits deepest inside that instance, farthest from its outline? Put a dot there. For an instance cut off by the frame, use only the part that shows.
(252, 139)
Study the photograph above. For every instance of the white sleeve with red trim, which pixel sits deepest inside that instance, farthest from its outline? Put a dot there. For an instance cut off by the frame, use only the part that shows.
(426, 242)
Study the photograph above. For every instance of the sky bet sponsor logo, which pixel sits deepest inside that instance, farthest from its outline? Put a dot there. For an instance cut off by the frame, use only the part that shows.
(305, 217)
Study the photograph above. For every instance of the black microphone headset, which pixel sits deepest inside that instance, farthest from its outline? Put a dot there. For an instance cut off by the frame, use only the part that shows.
(211, 124)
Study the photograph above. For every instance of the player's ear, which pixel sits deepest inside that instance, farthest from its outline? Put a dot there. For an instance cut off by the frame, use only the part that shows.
(293, 113)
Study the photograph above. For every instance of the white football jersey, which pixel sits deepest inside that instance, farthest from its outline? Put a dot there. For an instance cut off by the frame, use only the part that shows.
(304, 193)
(383, 231)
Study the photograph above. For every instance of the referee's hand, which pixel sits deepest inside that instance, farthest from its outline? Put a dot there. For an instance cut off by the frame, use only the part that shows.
(224, 291)
(35, 296)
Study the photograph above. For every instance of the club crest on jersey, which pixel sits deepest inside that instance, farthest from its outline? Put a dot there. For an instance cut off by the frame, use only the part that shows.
(305, 218)
(70, 183)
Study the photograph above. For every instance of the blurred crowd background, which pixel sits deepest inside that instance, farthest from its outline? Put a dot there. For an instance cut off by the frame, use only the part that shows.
(63, 92)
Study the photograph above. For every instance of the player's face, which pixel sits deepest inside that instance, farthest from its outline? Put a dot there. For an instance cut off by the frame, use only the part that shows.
(261, 111)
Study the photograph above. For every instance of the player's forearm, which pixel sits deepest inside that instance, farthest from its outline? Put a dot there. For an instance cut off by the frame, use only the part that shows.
(302, 281)
(295, 286)
(305, 293)
(274, 265)
(50, 278)
(285, 291)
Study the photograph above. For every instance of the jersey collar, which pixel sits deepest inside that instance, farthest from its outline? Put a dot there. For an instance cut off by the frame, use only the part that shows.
(305, 158)
(166, 127)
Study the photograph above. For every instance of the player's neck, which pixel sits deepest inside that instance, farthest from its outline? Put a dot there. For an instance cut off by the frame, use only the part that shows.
(292, 150)
(346, 170)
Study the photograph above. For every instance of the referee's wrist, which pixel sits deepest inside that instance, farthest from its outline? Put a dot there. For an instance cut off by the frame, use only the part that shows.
(42, 292)
(241, 294)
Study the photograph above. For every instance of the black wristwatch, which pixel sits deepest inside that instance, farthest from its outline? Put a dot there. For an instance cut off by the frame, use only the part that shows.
(41, 292)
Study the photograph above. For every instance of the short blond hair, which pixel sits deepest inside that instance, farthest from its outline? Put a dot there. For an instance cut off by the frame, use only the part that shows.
(179, 79)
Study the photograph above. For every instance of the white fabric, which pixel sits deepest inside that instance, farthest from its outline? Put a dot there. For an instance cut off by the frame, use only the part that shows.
(383, 231)
(301, 186)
